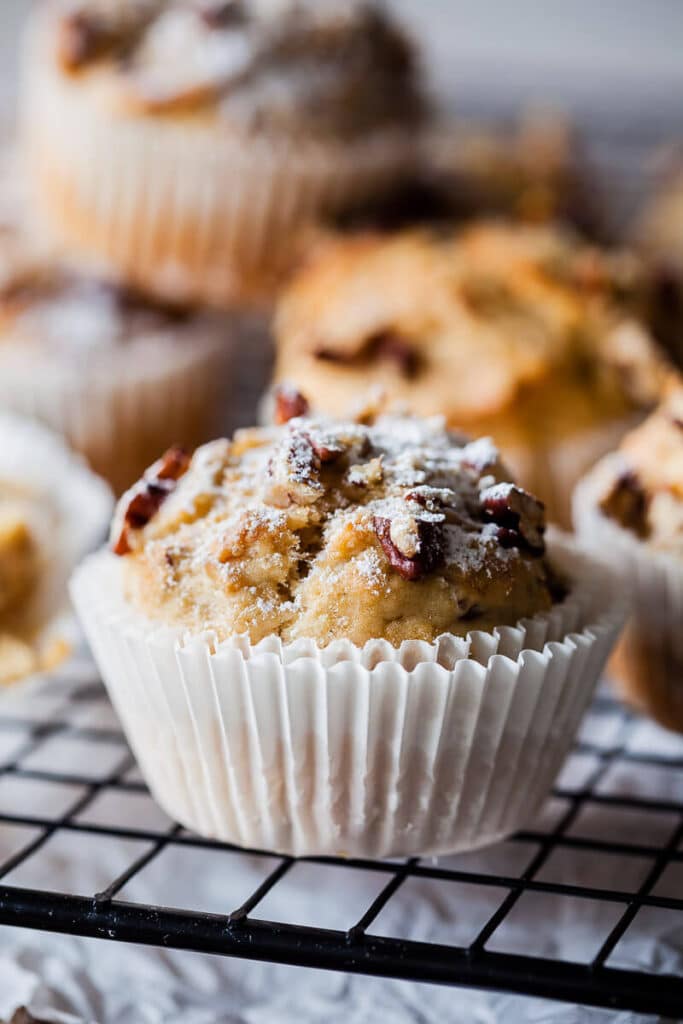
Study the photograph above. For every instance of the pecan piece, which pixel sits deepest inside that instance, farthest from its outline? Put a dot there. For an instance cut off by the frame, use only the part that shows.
(86, 35)
(81, 39)
(393, 347)
(326, 448)
(289, 403)
(172, 465)
(146, 497)
(519, 516)
(293, 472)
(389, 345)
(627, 503)
(413, 546)
(221, 14)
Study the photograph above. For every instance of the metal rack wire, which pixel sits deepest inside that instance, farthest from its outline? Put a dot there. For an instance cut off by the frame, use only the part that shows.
(75, 712)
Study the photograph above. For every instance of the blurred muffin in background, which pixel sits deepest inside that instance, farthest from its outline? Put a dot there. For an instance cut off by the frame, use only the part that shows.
(629, 509)
(117, 375)
(183, 143)
(659, 237)
(53, 510)
(532, 171)
(521, 332)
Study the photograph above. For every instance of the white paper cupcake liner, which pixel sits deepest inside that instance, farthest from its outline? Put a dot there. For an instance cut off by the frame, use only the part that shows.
(80, 506)
(186, 207)
(426, 749)
(122, 406)
(648, 663)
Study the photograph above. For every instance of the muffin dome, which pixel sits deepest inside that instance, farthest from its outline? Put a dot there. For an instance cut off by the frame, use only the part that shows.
(327, 529)
(470, 325)
(266, 65)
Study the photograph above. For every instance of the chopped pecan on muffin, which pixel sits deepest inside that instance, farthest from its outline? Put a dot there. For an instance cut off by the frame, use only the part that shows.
(642, 486)
(319, 528)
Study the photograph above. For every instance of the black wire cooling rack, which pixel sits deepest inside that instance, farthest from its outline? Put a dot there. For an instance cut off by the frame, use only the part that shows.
(45, 799)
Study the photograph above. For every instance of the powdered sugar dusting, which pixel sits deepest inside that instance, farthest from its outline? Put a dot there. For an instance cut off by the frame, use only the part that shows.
(285, 525)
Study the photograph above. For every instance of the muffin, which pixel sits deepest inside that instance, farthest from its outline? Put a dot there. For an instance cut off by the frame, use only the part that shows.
(184, 144)
(517, 331)
(52, 511)
(118, 375)
(630, 508)
(531, 170)
(346, 637)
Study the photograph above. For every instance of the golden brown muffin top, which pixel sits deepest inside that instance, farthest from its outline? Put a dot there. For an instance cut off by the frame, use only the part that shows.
(462, 323)
(321, 66)
(642, 485)
(325, 529)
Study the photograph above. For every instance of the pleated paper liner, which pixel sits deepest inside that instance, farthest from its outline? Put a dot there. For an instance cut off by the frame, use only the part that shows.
(122, 405)
(648, 663)
(186, 207)
(427, 749)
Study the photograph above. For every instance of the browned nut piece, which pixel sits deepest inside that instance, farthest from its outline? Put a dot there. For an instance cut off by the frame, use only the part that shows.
(80, 39)
(293, 472)
(147, 496)
(388, 345)
(289, 403)
(519, 516)
(413, 546)
(627, 503)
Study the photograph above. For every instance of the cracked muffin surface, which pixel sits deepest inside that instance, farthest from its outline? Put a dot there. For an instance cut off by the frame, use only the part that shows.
(521, 331)
(394, 529)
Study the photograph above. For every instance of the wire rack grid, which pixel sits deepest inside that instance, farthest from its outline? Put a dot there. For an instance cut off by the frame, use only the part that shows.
(83, 801)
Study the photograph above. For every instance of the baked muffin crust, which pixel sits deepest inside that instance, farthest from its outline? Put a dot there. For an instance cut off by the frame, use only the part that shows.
(503, 328)
(326, 529)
